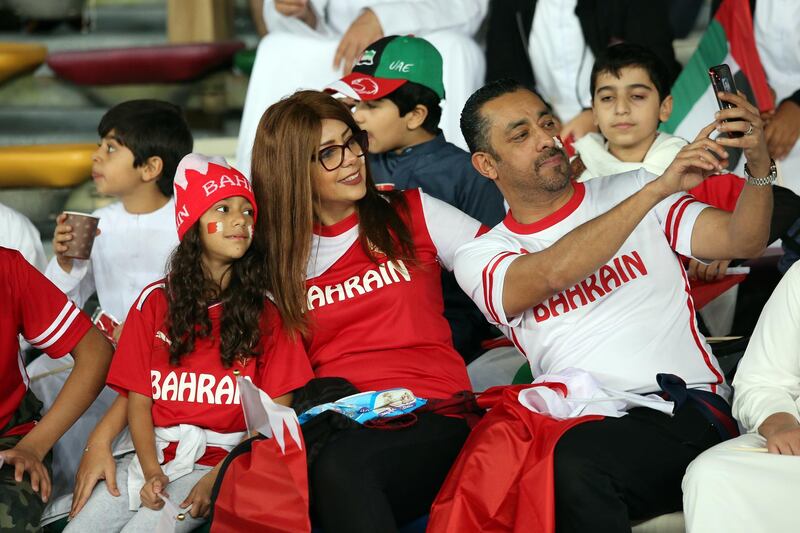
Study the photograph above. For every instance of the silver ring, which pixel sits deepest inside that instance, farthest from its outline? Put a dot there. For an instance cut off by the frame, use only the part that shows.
(749, 130)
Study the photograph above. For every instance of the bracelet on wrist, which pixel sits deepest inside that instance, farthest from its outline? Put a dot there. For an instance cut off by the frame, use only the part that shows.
(769, 179)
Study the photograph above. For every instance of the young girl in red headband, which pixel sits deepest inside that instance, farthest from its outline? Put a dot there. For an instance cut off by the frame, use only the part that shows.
(187, 339)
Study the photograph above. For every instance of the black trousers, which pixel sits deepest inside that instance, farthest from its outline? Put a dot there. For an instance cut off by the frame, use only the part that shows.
(617, 470)
(370, 480)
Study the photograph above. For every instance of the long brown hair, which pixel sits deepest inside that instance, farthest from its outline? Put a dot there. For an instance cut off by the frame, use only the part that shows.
(287, 139)
(190, 291)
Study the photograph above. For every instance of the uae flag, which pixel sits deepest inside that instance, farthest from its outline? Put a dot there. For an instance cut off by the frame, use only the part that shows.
(728, 39)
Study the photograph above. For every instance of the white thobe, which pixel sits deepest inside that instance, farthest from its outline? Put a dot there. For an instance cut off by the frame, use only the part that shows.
(294, 56)
(728, 488)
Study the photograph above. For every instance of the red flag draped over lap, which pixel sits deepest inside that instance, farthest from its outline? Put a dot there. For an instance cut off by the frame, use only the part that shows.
(265, 491)
(503, 477)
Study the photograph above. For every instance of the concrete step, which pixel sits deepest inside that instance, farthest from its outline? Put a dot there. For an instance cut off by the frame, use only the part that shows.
(35, 125)
(35, 110)
(224, 89)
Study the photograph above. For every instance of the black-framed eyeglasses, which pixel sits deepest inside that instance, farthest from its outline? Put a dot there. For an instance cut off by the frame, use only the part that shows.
(332, 157)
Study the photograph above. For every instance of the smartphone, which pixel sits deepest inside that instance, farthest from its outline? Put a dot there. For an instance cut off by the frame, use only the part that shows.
(722, 81)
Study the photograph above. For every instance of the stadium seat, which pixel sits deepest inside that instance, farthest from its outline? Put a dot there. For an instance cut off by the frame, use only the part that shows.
(45, 165)
(19, 58)
(143, 64)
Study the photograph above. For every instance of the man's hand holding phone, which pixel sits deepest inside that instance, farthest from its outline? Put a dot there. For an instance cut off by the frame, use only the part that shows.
(745, 119)
(739, 122)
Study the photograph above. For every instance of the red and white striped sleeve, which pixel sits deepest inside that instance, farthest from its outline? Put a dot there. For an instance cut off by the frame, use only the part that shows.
(130, 368)
(50, 321)
(677, 215)
(480, 268)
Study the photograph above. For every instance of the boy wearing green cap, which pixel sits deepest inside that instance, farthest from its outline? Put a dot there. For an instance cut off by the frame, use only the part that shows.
(397, 88)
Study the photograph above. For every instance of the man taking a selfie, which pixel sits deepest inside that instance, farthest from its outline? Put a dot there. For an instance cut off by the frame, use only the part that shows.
(584, 276)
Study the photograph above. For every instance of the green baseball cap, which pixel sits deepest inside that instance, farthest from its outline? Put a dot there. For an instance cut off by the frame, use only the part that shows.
(389, 63)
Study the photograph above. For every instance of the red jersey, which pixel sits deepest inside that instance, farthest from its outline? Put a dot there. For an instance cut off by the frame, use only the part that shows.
(34, 308)
(381, 326)
(201, 391)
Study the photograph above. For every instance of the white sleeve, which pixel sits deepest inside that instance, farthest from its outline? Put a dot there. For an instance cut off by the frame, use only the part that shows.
(78, 284)
(36, 256)
(677, 214)
(20, 234)
(29, 243)
(425, 16)
(768, 378)
(481, 267)
(448, 227)
(276, 22)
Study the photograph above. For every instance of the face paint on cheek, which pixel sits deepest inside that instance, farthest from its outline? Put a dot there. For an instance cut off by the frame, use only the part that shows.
(250, 231)
(214, 227)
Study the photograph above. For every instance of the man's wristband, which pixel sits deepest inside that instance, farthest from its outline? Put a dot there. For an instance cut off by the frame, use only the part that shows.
(769, 179)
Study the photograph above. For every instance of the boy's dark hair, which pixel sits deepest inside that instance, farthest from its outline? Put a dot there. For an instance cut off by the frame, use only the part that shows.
(409, 95)
(150, 128)
(624, 55)
(474, 125)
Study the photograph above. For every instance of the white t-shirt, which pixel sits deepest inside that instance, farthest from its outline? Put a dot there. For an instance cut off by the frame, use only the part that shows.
(632, 319)
(130, 253)
(20, 234)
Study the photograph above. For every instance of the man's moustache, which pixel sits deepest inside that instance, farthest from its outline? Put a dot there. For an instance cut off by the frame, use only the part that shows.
(551, 152)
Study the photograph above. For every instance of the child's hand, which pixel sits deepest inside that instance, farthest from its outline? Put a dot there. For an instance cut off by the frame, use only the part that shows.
(152, 490)
(61, 236)
(97, 463)
(713, 271)
(200, 496)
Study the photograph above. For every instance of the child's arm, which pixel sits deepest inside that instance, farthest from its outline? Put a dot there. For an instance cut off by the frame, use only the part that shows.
(92, 357)
(200, 495)
(98, 462)
(140, 422)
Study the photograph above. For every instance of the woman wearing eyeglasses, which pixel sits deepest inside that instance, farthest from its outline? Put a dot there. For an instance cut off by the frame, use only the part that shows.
(357, 274)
